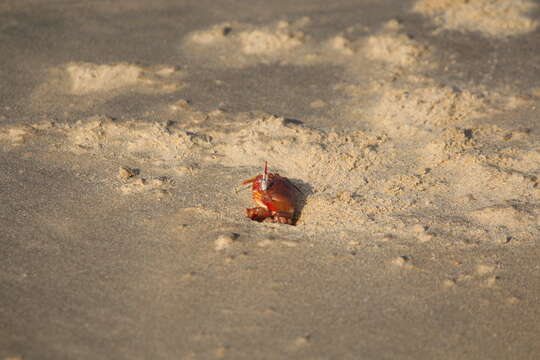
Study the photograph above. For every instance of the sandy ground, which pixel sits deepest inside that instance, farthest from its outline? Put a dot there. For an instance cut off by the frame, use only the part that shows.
(411, 126)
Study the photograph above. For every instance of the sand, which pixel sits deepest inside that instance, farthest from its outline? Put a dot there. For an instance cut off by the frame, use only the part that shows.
(410, 127)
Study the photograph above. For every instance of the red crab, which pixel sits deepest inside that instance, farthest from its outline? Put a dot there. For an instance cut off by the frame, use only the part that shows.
(276, 195)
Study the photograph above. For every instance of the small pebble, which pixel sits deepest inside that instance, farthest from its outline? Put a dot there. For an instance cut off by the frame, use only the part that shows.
(465, 277)
(289, 243)
(483, 269)
(189, 276)
(401, 261)
(302, 341)
(424, 237)
(181, 104)
(221, 351)
(491, 281)
(43, 125)
(265, 243)
(448, 283)
(125, 173)
(224, 241)
(512, 300)
(419, 228)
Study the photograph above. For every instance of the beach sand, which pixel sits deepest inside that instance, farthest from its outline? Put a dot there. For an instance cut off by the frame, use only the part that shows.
(411, 127)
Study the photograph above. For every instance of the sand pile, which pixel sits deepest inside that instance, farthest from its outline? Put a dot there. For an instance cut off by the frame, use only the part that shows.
(497, 18)
(83, 84)
(360, 175)
(393, 46)
(86, 78)
(237, 44)
(322, 158)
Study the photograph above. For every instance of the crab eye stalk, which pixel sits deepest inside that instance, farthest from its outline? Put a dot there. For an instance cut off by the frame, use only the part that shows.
(264, 181)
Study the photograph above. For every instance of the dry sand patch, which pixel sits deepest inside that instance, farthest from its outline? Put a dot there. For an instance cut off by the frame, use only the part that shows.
(87, 78)
(354, 180)
(238, 45)
(82, 85)
(497, 18)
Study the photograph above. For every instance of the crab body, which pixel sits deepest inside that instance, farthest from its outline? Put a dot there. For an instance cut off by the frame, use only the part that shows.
(276, 196)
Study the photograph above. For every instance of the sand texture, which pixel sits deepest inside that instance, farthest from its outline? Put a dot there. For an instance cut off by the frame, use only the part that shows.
(410, 127)
(497, 18)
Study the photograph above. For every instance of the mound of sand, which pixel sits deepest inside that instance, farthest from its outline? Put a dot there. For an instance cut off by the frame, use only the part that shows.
(239, 44)
(86, 78)
(426, 108)
(392, 46)
(289, 146)
(82, 85)
(492, 18)
(267, 42)
(359, 174)
(518, 218)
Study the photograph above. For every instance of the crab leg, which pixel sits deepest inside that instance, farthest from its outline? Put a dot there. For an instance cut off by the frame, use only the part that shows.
(258, 213)
(249, 181)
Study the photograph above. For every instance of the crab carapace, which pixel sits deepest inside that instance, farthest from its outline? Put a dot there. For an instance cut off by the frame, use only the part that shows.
(276, 196)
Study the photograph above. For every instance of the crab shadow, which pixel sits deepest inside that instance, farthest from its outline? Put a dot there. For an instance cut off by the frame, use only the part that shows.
(305, 191)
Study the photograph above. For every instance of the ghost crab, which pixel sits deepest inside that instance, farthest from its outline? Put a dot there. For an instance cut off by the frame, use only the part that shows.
(276, 196)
